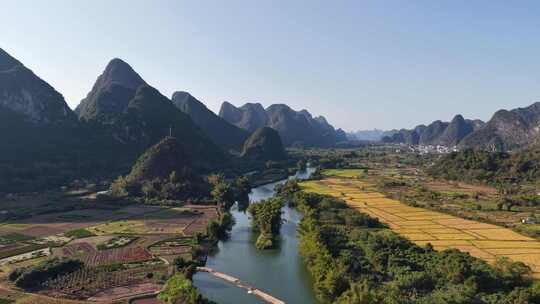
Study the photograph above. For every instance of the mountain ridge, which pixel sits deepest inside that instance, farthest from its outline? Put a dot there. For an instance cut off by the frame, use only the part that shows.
(264, 144)
(436, 133)
(138, 116)
(508, 129)
(218, 129)
(294, 127)
(22, 91)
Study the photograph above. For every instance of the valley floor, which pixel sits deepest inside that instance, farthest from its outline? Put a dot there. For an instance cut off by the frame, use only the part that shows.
(127, 248)
(423, 226)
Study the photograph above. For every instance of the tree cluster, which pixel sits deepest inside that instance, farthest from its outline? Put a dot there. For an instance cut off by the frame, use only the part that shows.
(266, 219)
(179, 289)
(354, 260)
(489, 167)
(178, 186)
(32, 277)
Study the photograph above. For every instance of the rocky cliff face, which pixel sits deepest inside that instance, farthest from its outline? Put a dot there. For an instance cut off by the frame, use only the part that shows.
(22, 92)
(111, 93)
(294, 127)
(218, 129)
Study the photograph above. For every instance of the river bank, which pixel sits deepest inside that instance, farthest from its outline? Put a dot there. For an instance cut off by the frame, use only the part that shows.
(267, 269)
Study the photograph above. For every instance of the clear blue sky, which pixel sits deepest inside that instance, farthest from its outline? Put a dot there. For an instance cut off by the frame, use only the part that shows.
(362, 64)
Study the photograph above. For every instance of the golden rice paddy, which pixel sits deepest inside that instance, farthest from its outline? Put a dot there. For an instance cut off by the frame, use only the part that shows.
(424, 226)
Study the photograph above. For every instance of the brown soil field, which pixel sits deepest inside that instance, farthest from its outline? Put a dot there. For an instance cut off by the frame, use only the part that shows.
(119, 293)
(117, 255)
(149, 224)
(76, 249)
(424, 226)
(166, 250)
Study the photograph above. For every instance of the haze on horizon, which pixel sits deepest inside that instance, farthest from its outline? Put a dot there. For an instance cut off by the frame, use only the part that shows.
(361, 64)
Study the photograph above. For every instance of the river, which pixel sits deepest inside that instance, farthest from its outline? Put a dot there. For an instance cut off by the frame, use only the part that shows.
(279, 272)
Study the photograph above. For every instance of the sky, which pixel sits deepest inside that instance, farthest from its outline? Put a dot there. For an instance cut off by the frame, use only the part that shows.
(362, 64)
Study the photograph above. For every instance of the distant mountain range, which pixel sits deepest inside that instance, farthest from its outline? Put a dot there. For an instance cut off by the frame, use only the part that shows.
(369, 135)
(506, 130)
(437, 133)
(294, 127)
(45, 143)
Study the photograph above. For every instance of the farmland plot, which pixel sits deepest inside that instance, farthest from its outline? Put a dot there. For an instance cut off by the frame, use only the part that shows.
(424, 226)
(117, 255)
(88, 282)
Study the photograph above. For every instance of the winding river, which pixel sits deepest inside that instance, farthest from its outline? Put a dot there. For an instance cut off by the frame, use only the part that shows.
(279, 272)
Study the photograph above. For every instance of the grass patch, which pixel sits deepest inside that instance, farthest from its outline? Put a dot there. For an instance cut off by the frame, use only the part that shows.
(79, 233)
(13, 238)
(6, 301)
(120, 227)
(347, 173)
(531, 230)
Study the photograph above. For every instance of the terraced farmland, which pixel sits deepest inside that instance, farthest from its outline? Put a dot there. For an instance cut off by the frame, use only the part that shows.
(424, 226)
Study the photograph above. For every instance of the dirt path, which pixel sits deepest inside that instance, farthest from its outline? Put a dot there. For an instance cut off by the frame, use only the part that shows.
(441, 230)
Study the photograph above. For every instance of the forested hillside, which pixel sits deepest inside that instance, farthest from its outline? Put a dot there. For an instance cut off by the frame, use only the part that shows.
(489, 167)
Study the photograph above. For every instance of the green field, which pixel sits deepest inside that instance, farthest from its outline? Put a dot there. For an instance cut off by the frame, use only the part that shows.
(346, 173)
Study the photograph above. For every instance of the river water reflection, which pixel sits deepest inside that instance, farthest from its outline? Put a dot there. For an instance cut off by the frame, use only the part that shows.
(280, 272)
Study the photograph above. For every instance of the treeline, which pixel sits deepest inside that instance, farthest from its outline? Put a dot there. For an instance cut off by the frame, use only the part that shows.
(32, 277)
(489, 167)
(354, 260)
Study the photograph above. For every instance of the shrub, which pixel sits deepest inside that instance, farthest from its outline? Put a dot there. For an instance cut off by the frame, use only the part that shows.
(79, 233)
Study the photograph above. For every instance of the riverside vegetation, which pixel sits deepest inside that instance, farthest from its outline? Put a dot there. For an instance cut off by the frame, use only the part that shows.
(266, 220)
(354, 259)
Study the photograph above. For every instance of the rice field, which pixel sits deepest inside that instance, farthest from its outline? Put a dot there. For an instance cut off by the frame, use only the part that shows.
(179, 221)
(424, 226)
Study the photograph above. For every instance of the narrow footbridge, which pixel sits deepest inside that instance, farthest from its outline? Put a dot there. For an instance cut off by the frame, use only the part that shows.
(251, 289)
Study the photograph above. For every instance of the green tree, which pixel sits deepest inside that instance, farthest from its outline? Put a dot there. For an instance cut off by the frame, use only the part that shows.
(178, 289)
(242, 188)
(511, 271)
(221, 192)
(360, 293)
(266, 219)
